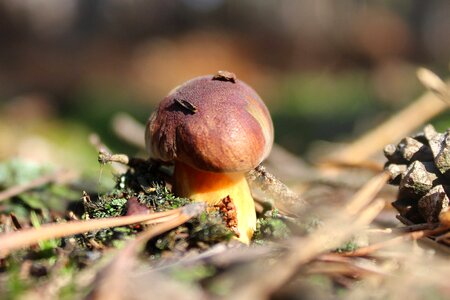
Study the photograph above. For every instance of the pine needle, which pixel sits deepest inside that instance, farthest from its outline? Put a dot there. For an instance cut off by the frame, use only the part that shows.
(434, 83)
(38, 182)
(392, 130)
(30, 236)
(113, 282)
(334, 231)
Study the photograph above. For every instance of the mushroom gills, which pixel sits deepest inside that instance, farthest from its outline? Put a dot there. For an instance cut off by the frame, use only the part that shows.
(213, 187)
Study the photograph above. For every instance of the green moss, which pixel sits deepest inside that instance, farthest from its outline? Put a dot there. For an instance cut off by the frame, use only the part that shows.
(271, 227)
(159, 198)
(109, 205)
(347, 247)
(200, 232)
(210, 228)
(144, 182)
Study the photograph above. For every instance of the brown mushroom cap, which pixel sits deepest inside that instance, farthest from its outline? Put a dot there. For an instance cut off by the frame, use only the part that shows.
(212, 123)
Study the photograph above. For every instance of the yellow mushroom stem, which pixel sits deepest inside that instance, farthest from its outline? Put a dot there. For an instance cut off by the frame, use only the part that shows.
(213, 187)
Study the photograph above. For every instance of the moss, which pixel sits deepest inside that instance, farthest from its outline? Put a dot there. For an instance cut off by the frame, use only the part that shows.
(271, 227)
(145, 182)
(210, 228)
(347, 247)
(200, 232)
(159, 198)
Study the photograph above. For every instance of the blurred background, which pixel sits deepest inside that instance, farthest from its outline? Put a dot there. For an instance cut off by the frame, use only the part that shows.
(328, 70)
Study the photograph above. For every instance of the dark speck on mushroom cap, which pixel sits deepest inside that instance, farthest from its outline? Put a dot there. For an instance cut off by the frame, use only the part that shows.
(212, 124)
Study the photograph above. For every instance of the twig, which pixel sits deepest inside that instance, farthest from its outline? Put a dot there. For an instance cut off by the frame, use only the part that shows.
(416, 227)
(129, 130)
(119, 161)
(443, 237)
(104, 152)
(185, 213)
(26, 237)
(95, 141)
(365, 251)
(367, 193)
(106, 157)
(404, 220)
(352, 265)
(364, 164)
(18, 189)
(435, 84)
(284, 198)
(417, 113)
(90, 241)
(409, 228)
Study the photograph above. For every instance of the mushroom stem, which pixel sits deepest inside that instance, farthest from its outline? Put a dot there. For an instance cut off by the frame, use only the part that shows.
(213, 187)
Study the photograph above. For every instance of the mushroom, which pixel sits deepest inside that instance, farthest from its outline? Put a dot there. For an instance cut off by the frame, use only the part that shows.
(215, 128)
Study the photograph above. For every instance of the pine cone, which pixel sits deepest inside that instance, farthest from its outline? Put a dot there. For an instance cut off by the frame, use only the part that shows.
(420, 166)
